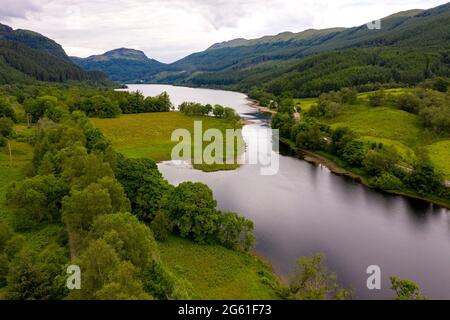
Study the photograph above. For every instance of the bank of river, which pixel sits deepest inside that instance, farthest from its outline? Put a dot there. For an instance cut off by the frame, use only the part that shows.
(306, 209)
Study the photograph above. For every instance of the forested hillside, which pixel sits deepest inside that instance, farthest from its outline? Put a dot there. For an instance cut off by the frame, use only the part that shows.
(27, 56)
(410, 46)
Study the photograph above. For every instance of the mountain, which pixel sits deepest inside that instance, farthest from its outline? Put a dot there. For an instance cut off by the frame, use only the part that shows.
(410, 47)
(124, 65)
(33, 40)
(26, 56)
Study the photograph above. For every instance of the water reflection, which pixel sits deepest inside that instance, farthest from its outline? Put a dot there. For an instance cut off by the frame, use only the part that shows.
(305, 209)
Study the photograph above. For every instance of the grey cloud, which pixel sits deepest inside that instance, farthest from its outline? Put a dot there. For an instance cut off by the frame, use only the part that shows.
(17, 9)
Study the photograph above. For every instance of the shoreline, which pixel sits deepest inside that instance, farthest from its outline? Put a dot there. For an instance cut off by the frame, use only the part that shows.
(318, 160)
(334, 168)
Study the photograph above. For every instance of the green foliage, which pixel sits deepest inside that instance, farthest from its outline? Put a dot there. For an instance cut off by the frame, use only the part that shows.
(388, 181)
(132, 240)
(36, 200)
(424, 179)
(406, 290)
(377, 99)
(441, 84)
(380, 160)
(309, 135)
(21, 63)
(409, 102)
(215, 272)
(143, 185)
(82, 207)
(6, 127)
(161, 226)
(6, 110)
(192, 208)
(313, 281)
(123, 284)
(218, 111)
(330, 104)
(236, 232)
(98, 261)
(197, 109)
(163, 284)
(283, 122)
(37, 276)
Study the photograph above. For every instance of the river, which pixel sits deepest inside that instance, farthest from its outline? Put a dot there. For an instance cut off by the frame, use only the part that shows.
(305, 209)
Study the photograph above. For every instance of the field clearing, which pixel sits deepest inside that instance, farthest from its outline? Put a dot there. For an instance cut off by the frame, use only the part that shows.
(439, 153)
(218, 273)
(22, 153)
(149, 135)
(381, 122)
(390, 126)
(305, 104)
(404, 151)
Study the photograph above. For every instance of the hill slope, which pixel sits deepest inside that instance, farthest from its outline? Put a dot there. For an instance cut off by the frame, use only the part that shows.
(27, 56)
(410, 47)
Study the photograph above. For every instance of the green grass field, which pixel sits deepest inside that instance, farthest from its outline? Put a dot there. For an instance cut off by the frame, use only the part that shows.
(11, 171)
(149, 135)
(219, 273)
(440, 155)
(391, 126)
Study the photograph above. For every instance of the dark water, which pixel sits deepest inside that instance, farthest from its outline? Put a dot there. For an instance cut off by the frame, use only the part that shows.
(305, 209)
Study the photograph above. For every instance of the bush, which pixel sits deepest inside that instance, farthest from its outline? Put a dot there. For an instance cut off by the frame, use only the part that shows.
(325, 108)
(6, 127)
(409, 103)
(236, 232)
(388, 182)
(6, 110)
(377, 99)
(164, 285)
(380, 160)
(441, 85)
(161, 226)
(36, 200)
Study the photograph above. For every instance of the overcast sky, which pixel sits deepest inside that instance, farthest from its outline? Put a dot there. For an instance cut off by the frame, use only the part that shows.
(168, 30)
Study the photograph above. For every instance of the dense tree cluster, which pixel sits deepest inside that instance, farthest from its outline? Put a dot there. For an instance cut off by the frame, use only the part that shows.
(218, 111)
(192, 208)
(112, 104)
(56, 102)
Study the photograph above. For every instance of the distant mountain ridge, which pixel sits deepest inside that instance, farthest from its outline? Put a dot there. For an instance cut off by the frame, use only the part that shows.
(125, 65)
(230, 64)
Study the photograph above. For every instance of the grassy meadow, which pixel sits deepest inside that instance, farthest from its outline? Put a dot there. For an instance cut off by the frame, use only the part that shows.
(12, 170)
(391, 126)
(149, 135)
(215, 272)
